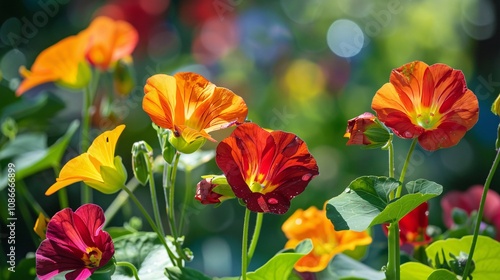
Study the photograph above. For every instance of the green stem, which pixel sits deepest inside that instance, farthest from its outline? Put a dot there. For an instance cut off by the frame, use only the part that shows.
(480, 213)
(119, 200)
(25, 212)
(131, 266)
(62, 194)
(255, 237)
(154, 201)
(86, 191)
(187, 196)
(171, 195)
(390, 148)
(175, 261)
(244, 244)
(405, 166)
(393, 270)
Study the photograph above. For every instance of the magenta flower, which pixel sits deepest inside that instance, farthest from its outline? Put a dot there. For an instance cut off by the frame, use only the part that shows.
(469, 201)
(75, 242)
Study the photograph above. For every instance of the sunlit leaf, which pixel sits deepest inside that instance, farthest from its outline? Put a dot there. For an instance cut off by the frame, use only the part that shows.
(419, 271)
(193, 160)
(344, 267)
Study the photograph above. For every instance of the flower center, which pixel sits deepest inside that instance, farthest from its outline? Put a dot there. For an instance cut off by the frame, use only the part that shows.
(323, 248)
(92, 257)
(428, 119)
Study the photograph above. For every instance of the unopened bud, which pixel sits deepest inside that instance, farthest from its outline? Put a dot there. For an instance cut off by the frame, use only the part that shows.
(142, 161)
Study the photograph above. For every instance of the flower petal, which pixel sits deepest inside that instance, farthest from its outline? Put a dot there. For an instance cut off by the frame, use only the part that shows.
(103, 147)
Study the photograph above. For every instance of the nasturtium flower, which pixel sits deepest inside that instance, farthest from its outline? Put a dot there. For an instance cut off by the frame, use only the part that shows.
(413, 226)
(62, 63)
(366, 130)
(313, 224)
(98, 167)
(191, 107)
(431, 103)
(76, 243)
(265, 169)
(469, 201)
(108, 41)
(213, 190)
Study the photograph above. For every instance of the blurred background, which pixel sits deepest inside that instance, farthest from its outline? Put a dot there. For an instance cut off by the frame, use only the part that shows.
(301, 66)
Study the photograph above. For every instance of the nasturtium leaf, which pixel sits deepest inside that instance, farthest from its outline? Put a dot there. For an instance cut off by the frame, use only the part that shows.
(184, 273)
(23, 143)
(486, 254)
(31, 162)
(280, 266)
(344, 267)
(145, 252)
(363, 200)
(424, 186)
(420, 271)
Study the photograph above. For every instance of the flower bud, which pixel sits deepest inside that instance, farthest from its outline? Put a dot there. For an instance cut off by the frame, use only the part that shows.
(9, 128)
(495, 107)
(142, 161)
(213, 189)
(459, 216)
(40, 227)
(123, 77)
(367, 130)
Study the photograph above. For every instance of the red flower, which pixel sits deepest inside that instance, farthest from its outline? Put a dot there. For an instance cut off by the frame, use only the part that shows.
(469, 201)
(413, 226)
(432, 103)
(75, 242)
(265, 169)
(213, 190)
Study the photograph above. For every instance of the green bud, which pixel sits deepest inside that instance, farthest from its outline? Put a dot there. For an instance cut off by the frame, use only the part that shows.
(168, 151)
(459, 216)
(123, 77)
(9, 128)
(142, 161)
(495, 107)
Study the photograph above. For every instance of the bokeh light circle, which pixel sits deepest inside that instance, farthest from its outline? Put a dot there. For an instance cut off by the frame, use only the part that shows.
(345, 38)
(10, 63)
(478, 19)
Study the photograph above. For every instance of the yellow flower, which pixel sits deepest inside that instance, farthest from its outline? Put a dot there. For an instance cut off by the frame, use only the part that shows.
(314, 225)
(41, 225)
(98, 167)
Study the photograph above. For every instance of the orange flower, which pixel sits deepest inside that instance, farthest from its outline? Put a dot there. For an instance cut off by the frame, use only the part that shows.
(432, 103)
(109, 41)
(313, 224)
(191, 107)
(103, 43)
(63, 63)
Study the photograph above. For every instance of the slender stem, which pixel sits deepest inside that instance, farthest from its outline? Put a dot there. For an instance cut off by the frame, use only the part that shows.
(255, 237)
(131, 266)
(119, 200)
(244, 244)
(393, 270)
(171, 210)
(154, 202)
(174, 260)
(62, 194)
(86, 191)
(390, 149)
(480, 213)
(35, 206)
(25, 212)
(405, 166)
(187, 195)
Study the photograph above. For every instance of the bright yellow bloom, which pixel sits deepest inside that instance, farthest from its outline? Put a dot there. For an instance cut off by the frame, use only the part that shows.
(191, 107)
(313, 224)
(98, 167)
(40, 227)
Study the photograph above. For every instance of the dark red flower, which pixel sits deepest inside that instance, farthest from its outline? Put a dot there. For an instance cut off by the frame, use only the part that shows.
(213, 189)
(75, 242)
(265, 169)
(413, 226)
(366, 130)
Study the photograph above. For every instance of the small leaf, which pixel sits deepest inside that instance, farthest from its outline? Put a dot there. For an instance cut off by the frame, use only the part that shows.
(362, 201)
(278, 267)
(145, 252)
(344, 267)
(184, 273)
(419, 271)
(424, 186)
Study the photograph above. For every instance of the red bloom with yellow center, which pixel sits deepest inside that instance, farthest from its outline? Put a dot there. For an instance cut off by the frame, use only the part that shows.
(75, 242)
(327, 242)
(265, 169)
(432, 103)
(191, 107)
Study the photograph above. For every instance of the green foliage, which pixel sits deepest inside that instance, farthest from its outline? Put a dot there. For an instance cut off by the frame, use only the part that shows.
(419, 271)
(366, 202)
(30, 154)
(280, 266)
(145, 252)
(344, 267)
